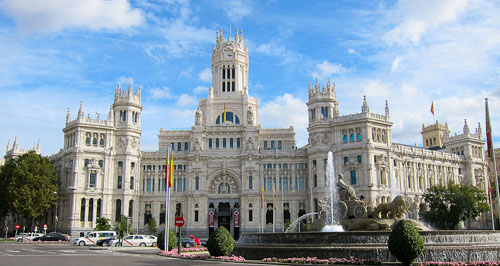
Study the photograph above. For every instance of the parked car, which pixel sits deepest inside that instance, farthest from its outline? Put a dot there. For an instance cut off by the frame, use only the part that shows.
(104, 242)
(27, 237)
(132, 241)
(92, 237)
(52, 237)
(153, 240)
(187, 242)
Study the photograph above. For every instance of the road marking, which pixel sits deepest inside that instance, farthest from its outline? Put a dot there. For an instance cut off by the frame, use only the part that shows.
(5, 254)
(67, 251)
(16, 251)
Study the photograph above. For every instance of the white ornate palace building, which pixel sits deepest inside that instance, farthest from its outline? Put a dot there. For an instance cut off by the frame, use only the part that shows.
(221, 166)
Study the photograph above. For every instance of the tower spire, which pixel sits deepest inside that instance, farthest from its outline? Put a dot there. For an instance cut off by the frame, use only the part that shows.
(365, 108)
(68, 116)
(387, 116)
(81, 114)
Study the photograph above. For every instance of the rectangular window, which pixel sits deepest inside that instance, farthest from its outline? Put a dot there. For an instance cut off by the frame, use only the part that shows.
(232, 84)
(197, 183)
(186, 146)
(250, 215)
(250, 183)
(280, 145)
(346, 160)
(153, 186)
(231, 143)
(352, 137)
(353, 177)
(148, 185)
(92, 180)
(272, 144)
(119, 185)
(179, 146)
(345, 138)
(238, 143)
(196, 216)
(210, 143)
(179, 184)
(265, 144)
(301, 183)
(359, 158)
(224, 143)
(217, 143)
(223, 83)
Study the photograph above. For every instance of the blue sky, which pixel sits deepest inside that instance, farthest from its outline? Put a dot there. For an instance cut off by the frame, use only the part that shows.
(54, 54)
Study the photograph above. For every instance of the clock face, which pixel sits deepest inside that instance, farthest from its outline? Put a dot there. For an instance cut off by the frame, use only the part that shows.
(228, 54)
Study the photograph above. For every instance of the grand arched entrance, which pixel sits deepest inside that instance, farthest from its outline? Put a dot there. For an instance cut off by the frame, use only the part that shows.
(224, 202)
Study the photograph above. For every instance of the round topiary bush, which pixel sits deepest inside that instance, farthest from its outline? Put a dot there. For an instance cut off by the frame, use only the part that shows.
(405, 243)
(220, 242)
(172, 240)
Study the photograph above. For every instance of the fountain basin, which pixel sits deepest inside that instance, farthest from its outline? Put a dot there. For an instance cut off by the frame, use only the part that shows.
(447, 246)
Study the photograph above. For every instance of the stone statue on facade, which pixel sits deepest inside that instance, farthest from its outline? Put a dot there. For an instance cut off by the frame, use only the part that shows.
(198, 117)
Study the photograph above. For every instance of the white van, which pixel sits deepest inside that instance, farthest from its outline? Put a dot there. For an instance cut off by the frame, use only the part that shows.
(92, 237)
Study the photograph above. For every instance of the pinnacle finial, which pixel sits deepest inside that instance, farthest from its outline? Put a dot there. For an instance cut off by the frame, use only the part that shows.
(466, 126)
(80, 110)
(365, 108)
(68, 116)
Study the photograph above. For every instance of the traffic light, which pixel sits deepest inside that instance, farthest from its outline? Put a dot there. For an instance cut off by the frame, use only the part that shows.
(178, 210)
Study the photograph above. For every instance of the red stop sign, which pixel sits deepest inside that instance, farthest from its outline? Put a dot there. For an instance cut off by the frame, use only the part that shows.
(179, 221)
(18, 227)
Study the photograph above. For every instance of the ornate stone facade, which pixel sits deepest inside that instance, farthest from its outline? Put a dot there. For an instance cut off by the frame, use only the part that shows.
(225, 161)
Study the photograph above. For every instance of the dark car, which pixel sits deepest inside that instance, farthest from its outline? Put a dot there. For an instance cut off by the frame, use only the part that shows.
(52, 237)
(104, 242)
(187, 242)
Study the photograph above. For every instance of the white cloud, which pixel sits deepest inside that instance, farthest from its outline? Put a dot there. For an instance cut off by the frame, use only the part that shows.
(272, 115)
(161, 93)
(415, 17)
(206, 75)
(57, 15)
(395, 64)
(272, 48)
(409, 91)
(200, 89)
(351, 51)
(326, 69)
(376, 88)
(237, 9)
(125, 81)
(185, 100)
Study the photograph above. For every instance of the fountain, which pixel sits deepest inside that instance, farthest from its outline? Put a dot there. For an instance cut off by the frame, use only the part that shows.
(332, 223)
(367, 229)
(293, 226)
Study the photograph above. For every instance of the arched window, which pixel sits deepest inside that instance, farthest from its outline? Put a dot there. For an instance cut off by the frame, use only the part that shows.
(359, 136)
(91, 210)
(94, 140)
(82, 210)
(353, 177)
(99, 206)
(230, 117)
(269, 186)
(118, 209)
(92, 179)
(224, 188)
(231, 143)
(345, 139)
(352, 137)
(131, 209)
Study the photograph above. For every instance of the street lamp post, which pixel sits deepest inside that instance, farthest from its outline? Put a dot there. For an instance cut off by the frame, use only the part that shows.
(55, 214)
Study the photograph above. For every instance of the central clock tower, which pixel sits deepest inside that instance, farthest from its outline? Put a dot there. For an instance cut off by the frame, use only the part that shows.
(230, 66)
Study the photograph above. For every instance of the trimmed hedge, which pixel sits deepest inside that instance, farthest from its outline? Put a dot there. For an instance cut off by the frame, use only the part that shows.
(172, 240)
(220, 242)
(405, 242)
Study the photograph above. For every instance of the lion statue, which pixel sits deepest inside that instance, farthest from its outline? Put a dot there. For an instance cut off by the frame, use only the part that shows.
(394, 209)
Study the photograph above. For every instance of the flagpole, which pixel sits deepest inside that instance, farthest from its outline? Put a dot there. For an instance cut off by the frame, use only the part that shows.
(492, 154)
(274, 207)
(282, 205)
(490, 198)
(167, 203)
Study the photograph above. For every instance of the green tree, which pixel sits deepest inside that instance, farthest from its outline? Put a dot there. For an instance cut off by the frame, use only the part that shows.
(152, 225)
(405, 242)
(453, 204)
(102, 224)
(121, 227)
(220, 242)
(28, 183)
(172, 240)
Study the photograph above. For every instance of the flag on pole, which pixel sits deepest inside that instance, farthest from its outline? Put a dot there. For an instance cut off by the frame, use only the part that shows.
(262, 197)
(224, 121)
(432, 108)
(488, 132)
(169, 168)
